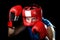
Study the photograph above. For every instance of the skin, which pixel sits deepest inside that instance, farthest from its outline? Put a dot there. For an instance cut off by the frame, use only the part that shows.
(15, 31)
(10, 31)
(19, 29)
(50, 29)
(51, 33)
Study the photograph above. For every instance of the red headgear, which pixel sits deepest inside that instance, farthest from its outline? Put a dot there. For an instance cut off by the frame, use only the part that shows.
(31, 12)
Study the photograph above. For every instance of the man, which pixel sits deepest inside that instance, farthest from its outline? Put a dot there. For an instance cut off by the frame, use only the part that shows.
(29, 19)
(34, 36)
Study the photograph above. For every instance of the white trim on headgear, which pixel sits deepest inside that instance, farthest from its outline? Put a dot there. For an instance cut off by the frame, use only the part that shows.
(27, 13)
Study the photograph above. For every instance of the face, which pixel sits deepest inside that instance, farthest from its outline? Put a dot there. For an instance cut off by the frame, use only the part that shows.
(31, 19)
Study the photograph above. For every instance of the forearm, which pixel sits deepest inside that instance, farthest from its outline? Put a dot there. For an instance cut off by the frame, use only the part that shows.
(15, 31)
(10, 31)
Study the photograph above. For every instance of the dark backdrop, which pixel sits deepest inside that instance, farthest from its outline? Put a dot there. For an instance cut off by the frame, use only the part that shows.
(49, 11)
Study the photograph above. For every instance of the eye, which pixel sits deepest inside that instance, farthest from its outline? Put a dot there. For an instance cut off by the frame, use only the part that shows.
(34, 19)
(27, 18)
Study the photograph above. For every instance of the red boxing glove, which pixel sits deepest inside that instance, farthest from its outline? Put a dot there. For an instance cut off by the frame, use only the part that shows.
(40, 28)
(16, 10)
(14, 14)
(9, 23)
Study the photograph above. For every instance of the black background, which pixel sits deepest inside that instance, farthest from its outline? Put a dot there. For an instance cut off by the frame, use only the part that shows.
(48, 6)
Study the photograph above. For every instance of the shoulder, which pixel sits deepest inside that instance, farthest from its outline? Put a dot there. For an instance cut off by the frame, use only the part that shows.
(47, 22)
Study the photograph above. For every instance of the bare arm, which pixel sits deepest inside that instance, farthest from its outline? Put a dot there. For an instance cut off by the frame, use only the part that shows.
(51, 33)
(10, 31)
(15, 31)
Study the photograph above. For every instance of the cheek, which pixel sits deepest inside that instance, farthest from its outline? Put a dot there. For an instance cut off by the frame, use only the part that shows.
(34, 20)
